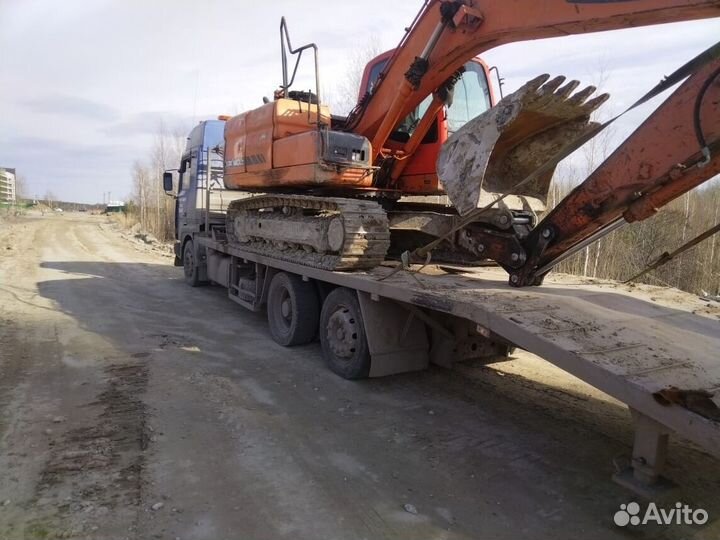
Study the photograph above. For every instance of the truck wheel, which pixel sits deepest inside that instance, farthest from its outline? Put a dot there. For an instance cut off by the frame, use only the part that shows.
(293, 310)
(342, 335)
(190, 268)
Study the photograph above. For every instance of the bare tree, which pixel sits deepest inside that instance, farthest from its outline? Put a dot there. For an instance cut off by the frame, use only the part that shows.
(141, 184)
(20, 187)
(155, 211)
(594, 152)
(344, 95)
(50, 198)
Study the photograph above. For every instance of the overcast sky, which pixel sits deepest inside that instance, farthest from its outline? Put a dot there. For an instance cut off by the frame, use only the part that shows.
(86, 83)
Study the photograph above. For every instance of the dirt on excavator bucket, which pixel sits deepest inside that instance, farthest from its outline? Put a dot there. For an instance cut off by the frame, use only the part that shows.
(494, 152)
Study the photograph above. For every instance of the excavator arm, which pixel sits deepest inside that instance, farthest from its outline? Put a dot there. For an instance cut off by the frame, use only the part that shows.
(676, 149)
(448, 33)
(505, 155)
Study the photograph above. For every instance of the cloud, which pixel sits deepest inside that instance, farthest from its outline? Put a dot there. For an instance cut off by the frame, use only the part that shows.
(59, 104)
(152, 123)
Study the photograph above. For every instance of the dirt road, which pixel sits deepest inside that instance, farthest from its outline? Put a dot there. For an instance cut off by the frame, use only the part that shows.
(132, 406)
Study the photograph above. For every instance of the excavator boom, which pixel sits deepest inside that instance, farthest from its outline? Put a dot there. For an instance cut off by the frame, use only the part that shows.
(448, 33)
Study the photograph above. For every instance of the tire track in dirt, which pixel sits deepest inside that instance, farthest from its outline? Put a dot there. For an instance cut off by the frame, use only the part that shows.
(95, 471)
(74, 434)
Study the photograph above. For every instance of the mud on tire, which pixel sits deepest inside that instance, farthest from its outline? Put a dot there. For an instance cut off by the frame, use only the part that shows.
(190, 266)
(342, 335)
(293, 310)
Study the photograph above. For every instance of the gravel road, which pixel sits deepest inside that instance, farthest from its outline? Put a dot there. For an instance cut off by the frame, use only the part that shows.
(132, 406)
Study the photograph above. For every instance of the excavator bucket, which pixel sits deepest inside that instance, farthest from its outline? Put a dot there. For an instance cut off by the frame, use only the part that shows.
(491, 154)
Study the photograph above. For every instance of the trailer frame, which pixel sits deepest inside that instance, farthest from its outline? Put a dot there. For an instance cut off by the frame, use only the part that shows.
(412, 320)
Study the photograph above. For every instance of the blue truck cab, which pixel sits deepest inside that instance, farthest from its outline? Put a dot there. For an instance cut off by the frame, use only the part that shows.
(199, 203)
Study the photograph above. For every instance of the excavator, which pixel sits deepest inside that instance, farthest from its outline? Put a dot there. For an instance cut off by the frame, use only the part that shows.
(429, 164)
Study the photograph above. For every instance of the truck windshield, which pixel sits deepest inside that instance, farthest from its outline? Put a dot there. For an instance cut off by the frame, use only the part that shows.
(214, 133)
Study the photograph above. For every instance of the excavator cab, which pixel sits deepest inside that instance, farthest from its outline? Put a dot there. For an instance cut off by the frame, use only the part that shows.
(472, 96)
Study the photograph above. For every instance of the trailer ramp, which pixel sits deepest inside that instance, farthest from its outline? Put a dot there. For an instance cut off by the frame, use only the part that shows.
(632, 348)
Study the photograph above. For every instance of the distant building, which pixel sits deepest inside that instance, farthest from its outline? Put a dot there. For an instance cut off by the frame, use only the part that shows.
(115, 206)
(7, 184)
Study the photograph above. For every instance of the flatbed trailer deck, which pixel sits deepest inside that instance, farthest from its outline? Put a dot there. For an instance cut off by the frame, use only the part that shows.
(628, 347)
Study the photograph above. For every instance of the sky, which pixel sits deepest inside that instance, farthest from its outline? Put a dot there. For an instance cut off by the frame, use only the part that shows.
(86, 84)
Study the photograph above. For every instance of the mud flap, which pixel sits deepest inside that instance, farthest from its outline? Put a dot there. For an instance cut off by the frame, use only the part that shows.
(396, 339)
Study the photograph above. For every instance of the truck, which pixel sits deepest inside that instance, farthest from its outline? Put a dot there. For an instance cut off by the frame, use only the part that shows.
(375, 323)
(332, 228)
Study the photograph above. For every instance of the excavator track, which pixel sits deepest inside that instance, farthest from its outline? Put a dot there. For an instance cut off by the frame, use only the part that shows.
(321, 232)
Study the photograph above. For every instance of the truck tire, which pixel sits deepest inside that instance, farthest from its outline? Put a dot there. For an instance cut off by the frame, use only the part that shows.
(190, 267)
(293, 310)
(342, 335)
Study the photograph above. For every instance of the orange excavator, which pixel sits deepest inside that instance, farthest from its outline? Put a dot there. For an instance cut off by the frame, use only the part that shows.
(429, 163)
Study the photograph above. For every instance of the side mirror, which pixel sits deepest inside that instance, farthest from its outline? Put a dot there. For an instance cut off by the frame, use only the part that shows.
(168, 183)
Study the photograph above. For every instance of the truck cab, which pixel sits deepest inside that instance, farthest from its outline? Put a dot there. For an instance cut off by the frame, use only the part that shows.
(199, 204)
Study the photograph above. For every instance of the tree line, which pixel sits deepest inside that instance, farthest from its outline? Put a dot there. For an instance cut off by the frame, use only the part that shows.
(149, 205)
(627, 251)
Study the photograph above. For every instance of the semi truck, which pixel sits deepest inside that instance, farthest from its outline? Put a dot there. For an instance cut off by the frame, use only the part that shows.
(379, 322)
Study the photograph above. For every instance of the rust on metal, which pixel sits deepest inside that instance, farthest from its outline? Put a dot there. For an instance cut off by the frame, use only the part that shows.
(698, 401)
(643, 174)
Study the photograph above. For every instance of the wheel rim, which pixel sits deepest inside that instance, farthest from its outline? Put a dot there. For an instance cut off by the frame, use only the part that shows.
(285, 310)
(188, 263)
(342, 333)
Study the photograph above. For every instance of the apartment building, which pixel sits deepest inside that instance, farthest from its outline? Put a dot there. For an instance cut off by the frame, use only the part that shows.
(7, 184)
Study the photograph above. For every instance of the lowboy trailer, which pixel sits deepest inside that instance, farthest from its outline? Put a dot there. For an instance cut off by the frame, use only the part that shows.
(382, 322)
(661, 362)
